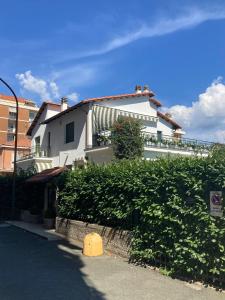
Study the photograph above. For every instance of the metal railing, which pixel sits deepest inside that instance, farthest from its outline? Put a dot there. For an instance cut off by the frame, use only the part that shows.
(34, 152)
(164, 141)
(171, 142)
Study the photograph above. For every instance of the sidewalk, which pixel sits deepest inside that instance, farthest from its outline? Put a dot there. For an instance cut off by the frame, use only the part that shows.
(37, 229)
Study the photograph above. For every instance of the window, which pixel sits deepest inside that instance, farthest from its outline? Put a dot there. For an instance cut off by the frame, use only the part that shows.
(12, 115)
(69, 133)
(10, 137)
(37, 144)
(11, 126)
(49, 139)
(32, 115)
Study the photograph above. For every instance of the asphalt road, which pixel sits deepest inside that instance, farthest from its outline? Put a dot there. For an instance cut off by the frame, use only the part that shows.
(33, 268)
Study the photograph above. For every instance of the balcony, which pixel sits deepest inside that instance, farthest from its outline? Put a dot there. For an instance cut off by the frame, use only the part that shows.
(37, 157)
(164, 143)
(35, 152)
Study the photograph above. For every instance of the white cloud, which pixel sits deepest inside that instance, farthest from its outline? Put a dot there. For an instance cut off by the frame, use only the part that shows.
(55, 89)
(73, 96)
(167, 25)
(44, 88)
(205, 118)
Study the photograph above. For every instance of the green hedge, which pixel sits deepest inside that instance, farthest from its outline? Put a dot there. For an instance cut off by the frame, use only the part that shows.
(152, 198)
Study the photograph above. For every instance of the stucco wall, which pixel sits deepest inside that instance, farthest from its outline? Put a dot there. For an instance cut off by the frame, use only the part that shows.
(65, 153)
(40, 130)
(141, 105)
(115, 241)
(165, 127)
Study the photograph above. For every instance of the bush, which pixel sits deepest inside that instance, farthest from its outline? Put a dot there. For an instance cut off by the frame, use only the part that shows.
(127, 139)
(166, 205)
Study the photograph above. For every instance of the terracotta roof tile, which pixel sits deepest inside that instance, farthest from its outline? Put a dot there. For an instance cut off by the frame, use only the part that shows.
(46, 175)
(11, 98)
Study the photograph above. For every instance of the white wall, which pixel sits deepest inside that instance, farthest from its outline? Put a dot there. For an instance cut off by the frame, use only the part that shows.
(165, 127)
(141, 105)
(62, 153)
(39, 130)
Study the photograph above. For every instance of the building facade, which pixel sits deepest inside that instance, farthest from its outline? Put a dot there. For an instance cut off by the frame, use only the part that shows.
(81, 132)
(26, 115)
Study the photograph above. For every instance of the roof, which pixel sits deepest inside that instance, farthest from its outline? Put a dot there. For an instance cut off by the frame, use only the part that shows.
(99, 99)
(41, 109)
(12, 98)
(169, 120)
(46, 175)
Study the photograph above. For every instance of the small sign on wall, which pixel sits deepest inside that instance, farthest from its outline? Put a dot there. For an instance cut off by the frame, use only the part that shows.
(216, 204)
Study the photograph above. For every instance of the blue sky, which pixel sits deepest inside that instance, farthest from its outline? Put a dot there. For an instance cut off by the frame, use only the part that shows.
(94, 48)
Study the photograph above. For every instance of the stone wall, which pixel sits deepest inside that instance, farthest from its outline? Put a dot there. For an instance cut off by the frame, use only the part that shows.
(115, 241)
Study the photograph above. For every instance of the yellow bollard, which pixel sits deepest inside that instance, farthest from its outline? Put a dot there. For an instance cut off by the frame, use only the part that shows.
(93, 245)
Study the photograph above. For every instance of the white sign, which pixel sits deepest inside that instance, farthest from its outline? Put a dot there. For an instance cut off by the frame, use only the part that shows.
(216, 204)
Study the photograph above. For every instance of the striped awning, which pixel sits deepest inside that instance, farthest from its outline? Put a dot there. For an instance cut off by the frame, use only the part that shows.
(104, 117)
(41, 166)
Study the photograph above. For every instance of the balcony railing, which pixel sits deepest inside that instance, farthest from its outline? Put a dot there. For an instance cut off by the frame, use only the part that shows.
(185, 144)
(164, 141)
(35, 152)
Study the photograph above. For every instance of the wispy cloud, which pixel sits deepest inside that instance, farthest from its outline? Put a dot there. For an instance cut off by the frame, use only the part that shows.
(74, 97)
(166, 25)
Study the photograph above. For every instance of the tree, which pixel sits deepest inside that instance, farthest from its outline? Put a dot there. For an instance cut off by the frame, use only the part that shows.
(127, 138)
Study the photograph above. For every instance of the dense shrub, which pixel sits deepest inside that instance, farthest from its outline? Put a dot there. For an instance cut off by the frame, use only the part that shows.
(164, 202)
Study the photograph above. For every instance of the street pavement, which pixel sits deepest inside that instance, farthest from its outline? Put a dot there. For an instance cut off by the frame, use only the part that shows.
(34, 268)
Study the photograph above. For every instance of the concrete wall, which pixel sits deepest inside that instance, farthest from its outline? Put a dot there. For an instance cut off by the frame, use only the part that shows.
(115, 241)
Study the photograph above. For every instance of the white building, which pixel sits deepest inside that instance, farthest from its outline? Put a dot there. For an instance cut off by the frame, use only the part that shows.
(63, 136)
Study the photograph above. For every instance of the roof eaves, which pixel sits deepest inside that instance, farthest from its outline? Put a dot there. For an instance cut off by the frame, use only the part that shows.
(41, 109)
(160, 114)
(91, 100)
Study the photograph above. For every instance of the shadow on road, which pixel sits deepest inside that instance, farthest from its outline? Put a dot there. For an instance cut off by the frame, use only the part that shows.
(33, 268)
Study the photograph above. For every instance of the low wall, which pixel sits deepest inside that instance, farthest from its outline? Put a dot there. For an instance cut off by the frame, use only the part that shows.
(115, 241)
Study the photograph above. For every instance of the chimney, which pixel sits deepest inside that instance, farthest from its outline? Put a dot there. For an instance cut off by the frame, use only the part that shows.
(146, 89)
(64, 103)
(168, 115)
(138, 89)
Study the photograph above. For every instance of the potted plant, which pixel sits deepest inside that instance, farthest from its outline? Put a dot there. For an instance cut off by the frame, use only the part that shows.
(49, 218)
(103, 140)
